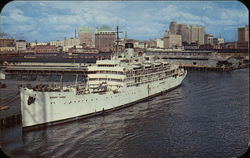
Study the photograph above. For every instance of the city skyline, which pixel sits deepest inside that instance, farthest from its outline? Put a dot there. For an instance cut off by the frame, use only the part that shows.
(143, 20)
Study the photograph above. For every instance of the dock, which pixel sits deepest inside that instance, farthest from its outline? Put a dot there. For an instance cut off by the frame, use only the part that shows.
(210, 68)
(10, 121)
(44, 68)
(10, 109)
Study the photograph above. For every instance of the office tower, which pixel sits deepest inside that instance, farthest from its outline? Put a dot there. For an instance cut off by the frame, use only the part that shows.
(104, 38)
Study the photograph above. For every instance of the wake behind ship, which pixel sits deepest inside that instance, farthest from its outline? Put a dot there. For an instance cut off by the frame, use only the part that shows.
(126, 78)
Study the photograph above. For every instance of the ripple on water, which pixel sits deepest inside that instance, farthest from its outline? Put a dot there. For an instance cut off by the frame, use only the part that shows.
(205, 117)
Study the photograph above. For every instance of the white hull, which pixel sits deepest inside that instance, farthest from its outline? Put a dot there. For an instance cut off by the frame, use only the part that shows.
(56, 106)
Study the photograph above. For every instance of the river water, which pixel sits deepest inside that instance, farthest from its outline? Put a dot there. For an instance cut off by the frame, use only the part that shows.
(208, 116)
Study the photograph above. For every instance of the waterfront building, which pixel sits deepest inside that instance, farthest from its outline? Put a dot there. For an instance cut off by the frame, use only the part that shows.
(20, 45)
(57, 43)
(218, 42)
(151, 44)
(37, 44)
(242, 45)
(140, 44)
(104, 38)
(243, 33)
(7, 45)
(194, 34)
(243, 37)
(197, 34)
(180, 29)
(184, 31)
(44, 49)
(191, 46)
(206, 46)
(230, 45)
(66, 43)
(7, 49)
(71, 42)
(201, 34)
(6, 42)
(75, 50)
(85, 36)
(159, 43)
(208, 39)
(173, 27)
(172, 40)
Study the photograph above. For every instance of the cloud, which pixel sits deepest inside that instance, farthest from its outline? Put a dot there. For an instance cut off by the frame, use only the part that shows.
(17, 16)
(207, 7)
(52, 20)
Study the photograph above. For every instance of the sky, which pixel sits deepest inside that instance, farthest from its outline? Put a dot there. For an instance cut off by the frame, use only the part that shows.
(46, 21)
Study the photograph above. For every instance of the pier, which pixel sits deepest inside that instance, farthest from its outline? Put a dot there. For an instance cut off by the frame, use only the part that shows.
(44, 68)
(208, 68)
(10, 109)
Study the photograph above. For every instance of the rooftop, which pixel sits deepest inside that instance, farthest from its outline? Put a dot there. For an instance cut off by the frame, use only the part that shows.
(104, 28)
(85, 29)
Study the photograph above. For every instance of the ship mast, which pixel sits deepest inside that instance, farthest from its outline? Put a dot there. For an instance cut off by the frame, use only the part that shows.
(117, 41)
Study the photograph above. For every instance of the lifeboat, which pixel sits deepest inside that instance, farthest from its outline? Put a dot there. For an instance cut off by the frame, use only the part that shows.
(147, 64)
(157, 64)
(136, 66)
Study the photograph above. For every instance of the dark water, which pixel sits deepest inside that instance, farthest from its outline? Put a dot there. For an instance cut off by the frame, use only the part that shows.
(208, 116)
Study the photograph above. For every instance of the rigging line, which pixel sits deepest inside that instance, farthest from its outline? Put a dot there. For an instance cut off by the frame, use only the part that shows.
(11, 100)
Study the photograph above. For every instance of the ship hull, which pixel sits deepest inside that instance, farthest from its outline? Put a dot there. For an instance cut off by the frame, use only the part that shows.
(56, 107)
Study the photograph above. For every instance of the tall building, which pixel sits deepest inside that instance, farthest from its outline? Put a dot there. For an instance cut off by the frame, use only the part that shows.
(243, 38)
(172, 40)
(180, 29)
(104, 38)
(243, 33)
(194, 34)
(184, 31)
(85, 36)
(201, 35)
(197, 34)
(173, 27)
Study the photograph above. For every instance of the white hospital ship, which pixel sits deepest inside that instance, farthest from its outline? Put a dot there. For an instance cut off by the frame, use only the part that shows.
(111, 84)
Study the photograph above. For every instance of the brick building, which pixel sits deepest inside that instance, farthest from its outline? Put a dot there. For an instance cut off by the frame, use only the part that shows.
(44, 49)
(104, 39)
